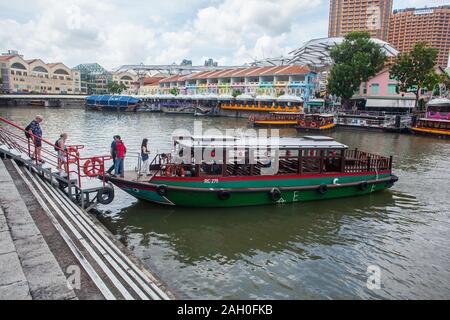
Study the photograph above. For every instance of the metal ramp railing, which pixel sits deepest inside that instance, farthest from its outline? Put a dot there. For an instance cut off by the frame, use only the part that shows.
(68, 175)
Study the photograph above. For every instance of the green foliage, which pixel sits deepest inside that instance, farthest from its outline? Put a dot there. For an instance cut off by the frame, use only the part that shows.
(356, 60)
(174, 91)
(116, 88)
(236, 93)
(414, 70)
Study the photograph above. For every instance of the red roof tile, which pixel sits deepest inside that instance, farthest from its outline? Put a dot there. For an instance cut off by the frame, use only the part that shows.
(6, 58)
(242, 72)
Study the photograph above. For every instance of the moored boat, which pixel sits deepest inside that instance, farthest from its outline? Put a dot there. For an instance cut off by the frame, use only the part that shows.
(233, 172)
(316, 122)
(276, 119)
(437, 121)
(113, 103)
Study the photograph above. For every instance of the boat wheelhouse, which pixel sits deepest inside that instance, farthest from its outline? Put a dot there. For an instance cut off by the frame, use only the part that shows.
(245, 171)
(437, 121)
(316, 122)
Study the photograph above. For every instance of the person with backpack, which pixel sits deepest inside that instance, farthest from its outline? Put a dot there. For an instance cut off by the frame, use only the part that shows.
(34, 131)
(145, 158)
(120, 160)
(60, 147)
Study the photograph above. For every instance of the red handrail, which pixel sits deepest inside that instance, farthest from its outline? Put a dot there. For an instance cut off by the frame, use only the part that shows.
(49, 154)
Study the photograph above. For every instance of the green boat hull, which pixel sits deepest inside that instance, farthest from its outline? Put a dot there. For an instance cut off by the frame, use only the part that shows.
(238, 192)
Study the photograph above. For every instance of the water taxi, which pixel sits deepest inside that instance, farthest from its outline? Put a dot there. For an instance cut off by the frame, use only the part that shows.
(376, 120)
(237, 171)
(112, 103)
(437, 120)
(276, 119)
(316, 122)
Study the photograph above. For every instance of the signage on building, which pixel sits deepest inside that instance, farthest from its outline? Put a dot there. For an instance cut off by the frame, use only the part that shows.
(423, 11)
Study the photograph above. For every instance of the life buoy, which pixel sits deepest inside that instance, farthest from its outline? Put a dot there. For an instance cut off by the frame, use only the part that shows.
(363, 186)
(94, 167)
(275, 194)
(302, 123)
(323, 189)
(162, 190)
(313, 124)
(223, 195)
(252, 118)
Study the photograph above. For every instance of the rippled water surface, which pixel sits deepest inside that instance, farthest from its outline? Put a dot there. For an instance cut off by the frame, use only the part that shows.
(316, 250)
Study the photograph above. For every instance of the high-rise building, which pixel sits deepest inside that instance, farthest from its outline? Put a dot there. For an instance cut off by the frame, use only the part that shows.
(431, 25)
(360, 15)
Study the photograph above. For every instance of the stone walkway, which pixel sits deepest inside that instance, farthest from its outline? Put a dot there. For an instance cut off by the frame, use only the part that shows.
(28, 269)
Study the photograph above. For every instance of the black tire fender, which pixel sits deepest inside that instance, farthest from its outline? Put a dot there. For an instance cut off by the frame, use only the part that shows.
(275, 194)
(363, 186)
(224, 195)
(162, 190)
(323, 189)
(105, 195)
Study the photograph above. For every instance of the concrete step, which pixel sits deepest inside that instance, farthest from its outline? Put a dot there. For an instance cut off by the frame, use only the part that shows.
(113, 271)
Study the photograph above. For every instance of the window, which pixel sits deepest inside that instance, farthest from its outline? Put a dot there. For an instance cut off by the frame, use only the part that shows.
(374, 88)
(392, 88)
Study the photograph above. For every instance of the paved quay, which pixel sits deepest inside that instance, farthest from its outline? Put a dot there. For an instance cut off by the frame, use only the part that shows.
(52, 250)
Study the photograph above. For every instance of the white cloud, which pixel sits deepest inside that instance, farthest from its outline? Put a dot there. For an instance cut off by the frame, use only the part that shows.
(116, 32)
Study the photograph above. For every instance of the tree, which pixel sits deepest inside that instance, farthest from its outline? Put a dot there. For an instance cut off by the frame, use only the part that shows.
(174, 91)
(414, 70)
(236, 93)
(116, 88)
(356, 59)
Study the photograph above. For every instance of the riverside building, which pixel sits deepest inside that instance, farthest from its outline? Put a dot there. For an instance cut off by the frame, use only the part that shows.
(35, 76)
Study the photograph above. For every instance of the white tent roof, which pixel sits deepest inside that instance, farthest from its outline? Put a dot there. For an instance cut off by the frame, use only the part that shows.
(244, 97)
(289, 98)
(316, 52)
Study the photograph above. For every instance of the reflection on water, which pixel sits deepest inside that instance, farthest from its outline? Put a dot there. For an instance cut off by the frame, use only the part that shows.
(315, 250)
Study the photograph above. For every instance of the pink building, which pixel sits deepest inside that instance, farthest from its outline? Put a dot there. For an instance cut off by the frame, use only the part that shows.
(380, 93)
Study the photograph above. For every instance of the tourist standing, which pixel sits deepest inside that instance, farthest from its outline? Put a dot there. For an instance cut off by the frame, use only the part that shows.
(120, 159)
(113, 153)
(145, 158)
(60, 146)
(35, 131)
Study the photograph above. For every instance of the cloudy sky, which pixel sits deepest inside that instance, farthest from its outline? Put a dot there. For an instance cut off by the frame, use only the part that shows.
(116, 32)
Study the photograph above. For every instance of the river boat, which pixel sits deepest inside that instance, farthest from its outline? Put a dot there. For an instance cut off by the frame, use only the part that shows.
(316, 123)
(237, 171)
(384, 121)
(276, 119)
(437, 120)
(113, 103)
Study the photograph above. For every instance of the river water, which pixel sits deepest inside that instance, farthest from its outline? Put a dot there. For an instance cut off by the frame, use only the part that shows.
(317, 250)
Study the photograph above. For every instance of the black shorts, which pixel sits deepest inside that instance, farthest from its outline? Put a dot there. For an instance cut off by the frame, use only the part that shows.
(37, 142)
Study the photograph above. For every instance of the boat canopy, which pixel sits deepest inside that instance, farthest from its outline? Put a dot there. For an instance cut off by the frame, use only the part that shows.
(307, 142)
(112, 101)
(439, 102)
